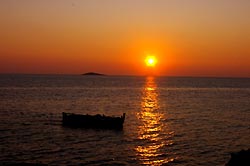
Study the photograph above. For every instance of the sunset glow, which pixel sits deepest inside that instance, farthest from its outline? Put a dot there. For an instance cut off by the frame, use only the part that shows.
(189, 38)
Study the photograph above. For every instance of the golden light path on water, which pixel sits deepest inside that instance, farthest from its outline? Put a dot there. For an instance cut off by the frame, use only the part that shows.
(153, 133)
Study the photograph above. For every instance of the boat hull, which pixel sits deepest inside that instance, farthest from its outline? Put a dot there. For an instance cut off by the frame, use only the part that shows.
(92, 121)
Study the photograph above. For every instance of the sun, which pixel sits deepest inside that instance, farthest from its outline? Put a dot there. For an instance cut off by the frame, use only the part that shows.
(150, 61)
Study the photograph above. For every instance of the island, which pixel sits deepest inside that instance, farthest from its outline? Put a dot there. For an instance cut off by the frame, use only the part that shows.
(93, 74)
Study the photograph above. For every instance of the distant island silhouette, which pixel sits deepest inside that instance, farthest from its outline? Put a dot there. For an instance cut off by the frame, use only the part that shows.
(93, 74)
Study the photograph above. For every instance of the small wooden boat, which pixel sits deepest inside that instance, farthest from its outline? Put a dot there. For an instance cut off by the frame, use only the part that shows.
(92, 121)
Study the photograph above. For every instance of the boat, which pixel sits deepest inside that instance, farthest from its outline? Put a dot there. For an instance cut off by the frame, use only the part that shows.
(92, 121)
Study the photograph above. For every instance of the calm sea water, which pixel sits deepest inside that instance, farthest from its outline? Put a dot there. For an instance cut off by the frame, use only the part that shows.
(169, 120)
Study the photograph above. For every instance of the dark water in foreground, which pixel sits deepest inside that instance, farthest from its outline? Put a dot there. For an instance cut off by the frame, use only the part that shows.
(170, 121)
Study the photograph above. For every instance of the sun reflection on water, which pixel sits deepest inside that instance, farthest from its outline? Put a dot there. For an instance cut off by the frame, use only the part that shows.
(152, 132)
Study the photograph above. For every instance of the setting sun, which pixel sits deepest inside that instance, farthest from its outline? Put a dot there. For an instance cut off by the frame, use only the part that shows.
(151, 61)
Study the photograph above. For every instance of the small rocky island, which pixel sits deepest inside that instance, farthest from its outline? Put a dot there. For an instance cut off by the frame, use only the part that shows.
(93, 74)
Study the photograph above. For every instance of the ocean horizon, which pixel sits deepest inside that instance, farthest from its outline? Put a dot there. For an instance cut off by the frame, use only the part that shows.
(128, 75)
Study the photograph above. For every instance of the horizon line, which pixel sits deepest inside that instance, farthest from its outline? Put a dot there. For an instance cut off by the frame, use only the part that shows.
(130, 75)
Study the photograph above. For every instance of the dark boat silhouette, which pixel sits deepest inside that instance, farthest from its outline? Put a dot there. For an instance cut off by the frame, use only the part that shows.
(93, 121)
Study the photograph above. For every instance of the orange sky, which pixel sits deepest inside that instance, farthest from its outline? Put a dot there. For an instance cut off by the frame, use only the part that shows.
(188, 37)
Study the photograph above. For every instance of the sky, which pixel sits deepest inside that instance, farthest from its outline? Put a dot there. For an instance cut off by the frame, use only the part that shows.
(188, 37)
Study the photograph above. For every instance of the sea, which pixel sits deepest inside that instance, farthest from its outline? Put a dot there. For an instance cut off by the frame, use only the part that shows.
(175, 121)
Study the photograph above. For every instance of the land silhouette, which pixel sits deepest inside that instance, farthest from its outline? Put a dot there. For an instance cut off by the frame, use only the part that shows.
(93, 74)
